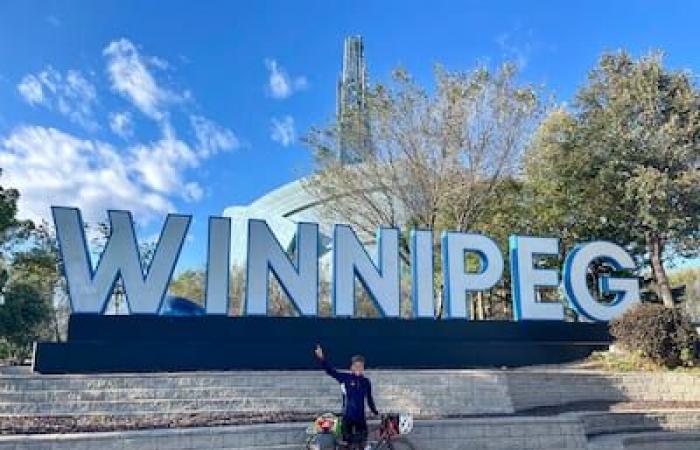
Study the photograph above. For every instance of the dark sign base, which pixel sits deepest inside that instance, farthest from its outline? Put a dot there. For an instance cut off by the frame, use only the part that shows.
(99, 344)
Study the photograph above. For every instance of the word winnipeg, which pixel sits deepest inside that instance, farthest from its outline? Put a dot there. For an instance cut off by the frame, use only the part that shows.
(298, 274)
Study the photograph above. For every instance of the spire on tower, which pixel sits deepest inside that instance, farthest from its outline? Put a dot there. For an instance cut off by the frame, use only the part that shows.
(354, 133)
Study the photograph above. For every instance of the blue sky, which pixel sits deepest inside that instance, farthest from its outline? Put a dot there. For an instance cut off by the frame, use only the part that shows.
(194, 106)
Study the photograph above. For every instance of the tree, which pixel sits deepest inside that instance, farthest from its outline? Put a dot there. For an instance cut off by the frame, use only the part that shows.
(39, 265)
(190, 285)
(688, 279)
(101, 232)
(278, 303)
(8, 212)
(433, 160)
(28, 275)
(623, 164)
(23, 318)
(11, 229)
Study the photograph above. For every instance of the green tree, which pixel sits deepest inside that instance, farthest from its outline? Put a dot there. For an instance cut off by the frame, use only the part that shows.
(23, 318)
(28, 277)
(688, 278)
(11, 229)
(189, 284)
(622, 164)
(8, 212)
(649, 154)
(38, 267)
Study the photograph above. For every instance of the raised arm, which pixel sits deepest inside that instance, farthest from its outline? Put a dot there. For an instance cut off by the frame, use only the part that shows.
(330, 370)
(370, 399)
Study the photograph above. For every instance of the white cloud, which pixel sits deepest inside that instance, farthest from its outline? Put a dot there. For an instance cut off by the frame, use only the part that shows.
(71, 94)
(50, 167)
(53, 167)
(280, 85)
(121, 124)
(130, 77)
(516, 46)
(193, 192)
(160, 164)
(31, 89)
(212, 137)
(282, 131)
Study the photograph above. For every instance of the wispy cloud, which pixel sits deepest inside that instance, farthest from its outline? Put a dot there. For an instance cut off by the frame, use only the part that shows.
(212, 137)
(52, 166)
(282, 131)
(516, 45)
(49, 166)
(130, 77)
(121, 124)
(280, 85)
(70, 93)
(31, 89)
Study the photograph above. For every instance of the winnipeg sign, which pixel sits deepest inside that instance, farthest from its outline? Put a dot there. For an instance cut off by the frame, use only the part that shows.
(298, 273)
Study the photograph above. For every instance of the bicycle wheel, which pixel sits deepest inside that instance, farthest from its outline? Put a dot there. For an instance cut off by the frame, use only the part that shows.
(394, 444)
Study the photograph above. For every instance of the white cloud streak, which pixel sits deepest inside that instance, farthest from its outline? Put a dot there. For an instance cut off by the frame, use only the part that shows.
(71, 94)
(130, 77)
(212, 137)
(516, 46)
(279, 84)
(121, 124)
(282, 131)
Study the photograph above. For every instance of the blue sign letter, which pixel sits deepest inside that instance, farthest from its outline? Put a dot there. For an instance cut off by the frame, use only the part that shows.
(576, 287)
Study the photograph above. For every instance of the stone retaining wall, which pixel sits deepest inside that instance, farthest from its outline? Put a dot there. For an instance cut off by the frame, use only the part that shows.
(426, 393)
(532, 389)
(421, 392)
(493, 395)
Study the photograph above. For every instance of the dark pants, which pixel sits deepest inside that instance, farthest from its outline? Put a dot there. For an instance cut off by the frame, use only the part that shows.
(354, 430)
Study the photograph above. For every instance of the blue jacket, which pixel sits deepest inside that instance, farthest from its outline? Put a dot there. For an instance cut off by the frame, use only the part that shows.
(357, 389)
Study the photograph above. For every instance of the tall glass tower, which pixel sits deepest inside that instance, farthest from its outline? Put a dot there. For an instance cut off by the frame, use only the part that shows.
(354, 130)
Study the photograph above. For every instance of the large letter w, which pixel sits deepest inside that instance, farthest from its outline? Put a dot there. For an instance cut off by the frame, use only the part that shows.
(90, 289)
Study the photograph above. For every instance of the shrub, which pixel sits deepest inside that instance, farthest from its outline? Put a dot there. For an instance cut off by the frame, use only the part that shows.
(663, 335)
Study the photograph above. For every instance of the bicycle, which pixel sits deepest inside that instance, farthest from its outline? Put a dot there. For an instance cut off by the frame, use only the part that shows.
(324, 433)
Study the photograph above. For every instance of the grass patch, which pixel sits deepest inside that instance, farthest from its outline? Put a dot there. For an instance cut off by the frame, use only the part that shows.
(617, 361)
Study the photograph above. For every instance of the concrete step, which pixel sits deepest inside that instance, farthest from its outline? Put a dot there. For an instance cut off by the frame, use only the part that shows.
(563, 432)
(654, 440)
(536, 433)
(606, 423)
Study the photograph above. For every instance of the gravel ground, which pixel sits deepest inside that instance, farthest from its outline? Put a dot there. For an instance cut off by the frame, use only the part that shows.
(95, 423)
